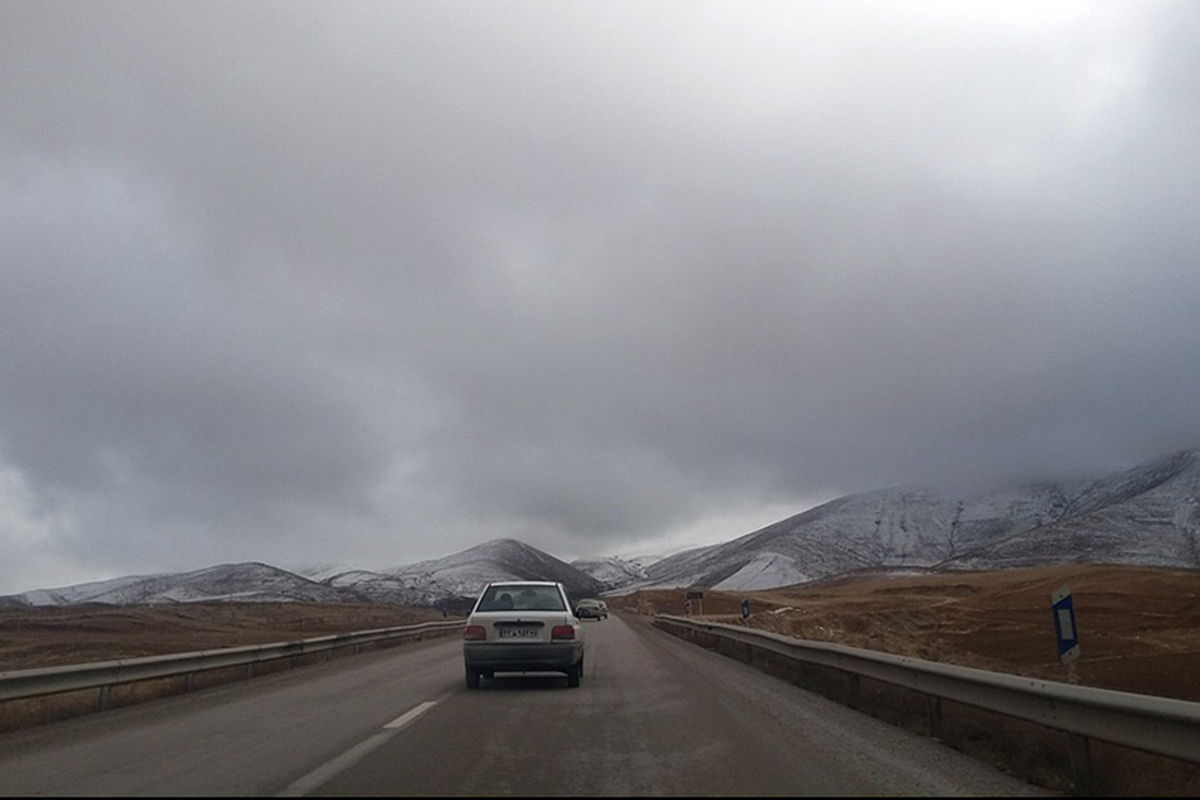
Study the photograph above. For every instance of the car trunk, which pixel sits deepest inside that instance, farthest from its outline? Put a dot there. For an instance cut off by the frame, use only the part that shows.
(516, 627)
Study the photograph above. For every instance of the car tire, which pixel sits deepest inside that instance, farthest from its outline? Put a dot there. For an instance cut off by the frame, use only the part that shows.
(575, 674)
(472, 679)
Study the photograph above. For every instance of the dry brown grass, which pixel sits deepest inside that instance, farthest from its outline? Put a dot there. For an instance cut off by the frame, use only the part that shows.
(47, 637)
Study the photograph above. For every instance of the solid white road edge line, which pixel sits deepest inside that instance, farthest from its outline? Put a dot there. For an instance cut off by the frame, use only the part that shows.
(305, 784)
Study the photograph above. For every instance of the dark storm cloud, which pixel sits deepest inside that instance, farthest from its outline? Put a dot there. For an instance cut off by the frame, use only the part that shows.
(374, 282)
(132, 382)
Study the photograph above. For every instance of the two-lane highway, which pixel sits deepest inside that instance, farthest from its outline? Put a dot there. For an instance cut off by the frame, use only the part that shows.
(654, 716)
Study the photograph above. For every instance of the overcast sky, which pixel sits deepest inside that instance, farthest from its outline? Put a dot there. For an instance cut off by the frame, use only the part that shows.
(369, 283)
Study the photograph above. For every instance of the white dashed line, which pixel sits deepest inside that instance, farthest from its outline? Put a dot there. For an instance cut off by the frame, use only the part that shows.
(411, 714)
(321, 774)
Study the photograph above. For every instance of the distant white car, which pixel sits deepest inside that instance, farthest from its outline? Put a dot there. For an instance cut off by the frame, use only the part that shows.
(522, 626)
(591, 608)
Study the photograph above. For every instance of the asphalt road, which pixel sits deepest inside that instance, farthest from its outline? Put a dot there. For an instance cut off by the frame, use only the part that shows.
(654, 716)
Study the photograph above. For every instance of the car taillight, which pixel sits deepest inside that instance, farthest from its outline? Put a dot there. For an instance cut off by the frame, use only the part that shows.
(474, 632)
(562, 632)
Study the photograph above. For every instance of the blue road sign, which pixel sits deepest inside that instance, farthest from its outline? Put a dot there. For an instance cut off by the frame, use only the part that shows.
(1064, 625)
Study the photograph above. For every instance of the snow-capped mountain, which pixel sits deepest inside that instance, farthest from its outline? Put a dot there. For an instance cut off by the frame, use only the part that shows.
(444, 582)
(1146, 516)
(459, 577)
(611, 572)
(246, 582)
(320, 572)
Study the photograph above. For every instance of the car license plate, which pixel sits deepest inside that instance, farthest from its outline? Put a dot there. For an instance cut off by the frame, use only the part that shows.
(515, 632)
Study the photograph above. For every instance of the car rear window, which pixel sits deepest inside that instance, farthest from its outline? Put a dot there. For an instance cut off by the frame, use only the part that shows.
(521, 598)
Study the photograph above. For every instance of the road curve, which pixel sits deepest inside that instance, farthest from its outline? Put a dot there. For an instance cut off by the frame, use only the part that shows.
(654, 716)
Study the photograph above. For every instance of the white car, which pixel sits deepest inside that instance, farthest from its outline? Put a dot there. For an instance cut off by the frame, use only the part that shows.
(522, 626)
(592, 608)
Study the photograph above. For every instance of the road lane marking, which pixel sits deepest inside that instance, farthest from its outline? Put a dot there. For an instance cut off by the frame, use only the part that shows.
(323, 773)
(411, 714)
(312, 780)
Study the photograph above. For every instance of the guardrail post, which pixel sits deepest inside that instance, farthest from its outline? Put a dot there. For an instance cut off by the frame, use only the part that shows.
(1082, 777)
(854, 685)
(102, 700)
(933, 708)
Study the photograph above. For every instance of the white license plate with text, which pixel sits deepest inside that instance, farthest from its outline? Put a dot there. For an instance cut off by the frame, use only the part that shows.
(515, 632)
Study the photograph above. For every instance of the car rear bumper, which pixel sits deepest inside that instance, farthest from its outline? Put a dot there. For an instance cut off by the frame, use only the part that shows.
(529, 657)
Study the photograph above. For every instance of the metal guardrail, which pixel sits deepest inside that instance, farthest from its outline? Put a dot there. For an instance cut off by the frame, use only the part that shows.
(1158, 725)
(19, 684)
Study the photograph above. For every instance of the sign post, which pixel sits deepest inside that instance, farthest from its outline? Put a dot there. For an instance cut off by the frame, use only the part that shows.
(1063, 608)
(1063, 611)
(698, 599)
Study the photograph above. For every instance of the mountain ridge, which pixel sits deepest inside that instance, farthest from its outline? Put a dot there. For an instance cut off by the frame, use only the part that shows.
(1145, 515)
(1148, 515)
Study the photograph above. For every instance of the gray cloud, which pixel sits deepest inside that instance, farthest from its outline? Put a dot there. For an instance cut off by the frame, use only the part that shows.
(375, 282)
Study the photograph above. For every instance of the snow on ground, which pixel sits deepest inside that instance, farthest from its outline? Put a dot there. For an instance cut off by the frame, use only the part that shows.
(765, 571)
